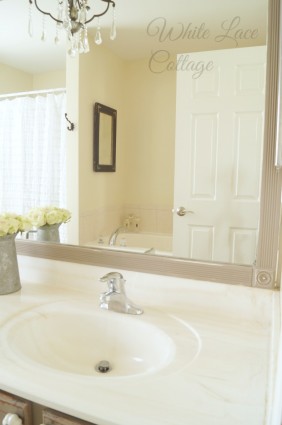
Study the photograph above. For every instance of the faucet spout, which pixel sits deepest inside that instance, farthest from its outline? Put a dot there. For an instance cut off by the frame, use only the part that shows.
(115, 298)
(114, 235)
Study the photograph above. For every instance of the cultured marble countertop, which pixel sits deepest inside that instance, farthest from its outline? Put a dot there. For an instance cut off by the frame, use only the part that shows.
(226, 380)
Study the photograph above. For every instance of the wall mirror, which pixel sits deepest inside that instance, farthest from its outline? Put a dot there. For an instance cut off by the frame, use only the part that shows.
(105, 123)
(201, 32)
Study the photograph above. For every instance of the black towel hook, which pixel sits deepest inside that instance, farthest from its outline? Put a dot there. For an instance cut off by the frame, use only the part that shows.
(71, 126)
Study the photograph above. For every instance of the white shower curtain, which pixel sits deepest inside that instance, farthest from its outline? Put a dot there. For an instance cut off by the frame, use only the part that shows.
(32, 152)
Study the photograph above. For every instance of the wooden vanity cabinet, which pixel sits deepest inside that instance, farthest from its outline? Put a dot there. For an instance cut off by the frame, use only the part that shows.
(34, 414)
(52, 417)
(14, 404)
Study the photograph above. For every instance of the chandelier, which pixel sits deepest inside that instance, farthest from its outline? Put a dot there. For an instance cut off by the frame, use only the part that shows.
(73, 16)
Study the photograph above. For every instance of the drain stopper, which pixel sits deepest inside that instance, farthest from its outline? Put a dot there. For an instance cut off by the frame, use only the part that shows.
(103, 366)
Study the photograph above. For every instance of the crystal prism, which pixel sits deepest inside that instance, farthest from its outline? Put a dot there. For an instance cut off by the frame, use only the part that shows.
(98, 37)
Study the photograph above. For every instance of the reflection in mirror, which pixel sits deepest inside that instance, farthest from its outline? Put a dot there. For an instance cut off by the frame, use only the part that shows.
(105, 122)
(219, 142)
(143, 89)
(32, 150)
(219, 181)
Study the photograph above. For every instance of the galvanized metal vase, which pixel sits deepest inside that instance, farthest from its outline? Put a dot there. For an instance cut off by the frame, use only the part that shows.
(9, 270)
(49, 233)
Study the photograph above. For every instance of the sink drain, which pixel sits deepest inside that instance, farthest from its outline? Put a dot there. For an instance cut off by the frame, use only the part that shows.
(103, 366)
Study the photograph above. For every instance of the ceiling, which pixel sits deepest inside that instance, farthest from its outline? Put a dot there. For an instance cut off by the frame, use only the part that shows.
(134, 39)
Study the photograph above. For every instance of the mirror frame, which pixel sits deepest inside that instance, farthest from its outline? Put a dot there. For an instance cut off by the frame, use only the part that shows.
(265, 272)
(99, 109)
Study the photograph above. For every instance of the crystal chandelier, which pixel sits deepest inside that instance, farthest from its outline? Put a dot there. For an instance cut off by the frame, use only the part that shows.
(73, 17)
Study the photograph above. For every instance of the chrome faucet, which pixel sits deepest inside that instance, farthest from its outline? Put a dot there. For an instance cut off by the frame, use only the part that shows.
(114, 235)
(115, 298)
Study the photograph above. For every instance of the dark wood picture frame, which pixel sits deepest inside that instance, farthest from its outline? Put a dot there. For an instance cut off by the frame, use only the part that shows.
(105, 127)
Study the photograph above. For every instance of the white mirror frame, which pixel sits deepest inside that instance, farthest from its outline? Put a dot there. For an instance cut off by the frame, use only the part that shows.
(264, 272)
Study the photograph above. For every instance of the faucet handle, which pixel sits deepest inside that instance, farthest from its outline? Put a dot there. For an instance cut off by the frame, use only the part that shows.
(111, 276)
(114, 280)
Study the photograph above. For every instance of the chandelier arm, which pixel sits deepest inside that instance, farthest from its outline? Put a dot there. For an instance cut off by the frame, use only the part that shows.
(45, 13)
(103, 13)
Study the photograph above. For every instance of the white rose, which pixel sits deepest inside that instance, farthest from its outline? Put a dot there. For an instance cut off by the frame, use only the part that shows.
(66, 215)
(4, 226)
(24, 224)
(37, 217)
(48, 215)
(13, 225)
(53, 217)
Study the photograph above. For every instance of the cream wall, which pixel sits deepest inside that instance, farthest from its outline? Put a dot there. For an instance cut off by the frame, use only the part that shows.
(143, 181)
(72, 148)
(150, 146)
(101, 80)
(150, 134)
(13, 80)
(101, 195)
(49, 80)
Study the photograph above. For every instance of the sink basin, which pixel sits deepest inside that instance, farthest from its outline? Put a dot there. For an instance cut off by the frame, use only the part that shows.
(74, 337)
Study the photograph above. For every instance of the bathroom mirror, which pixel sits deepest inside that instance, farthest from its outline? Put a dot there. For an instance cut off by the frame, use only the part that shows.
(269, 228)
(105, 123)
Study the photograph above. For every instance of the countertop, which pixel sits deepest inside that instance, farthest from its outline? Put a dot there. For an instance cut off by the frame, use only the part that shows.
(227, 380)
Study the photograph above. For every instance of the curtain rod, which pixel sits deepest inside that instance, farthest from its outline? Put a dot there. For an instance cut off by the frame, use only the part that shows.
(29, 93)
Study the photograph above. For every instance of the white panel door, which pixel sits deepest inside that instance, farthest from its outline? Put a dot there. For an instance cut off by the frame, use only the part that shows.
(218, 154)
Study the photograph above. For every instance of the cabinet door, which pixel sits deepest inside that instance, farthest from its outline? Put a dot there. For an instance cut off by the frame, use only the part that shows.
(51, 417)
(10, 403)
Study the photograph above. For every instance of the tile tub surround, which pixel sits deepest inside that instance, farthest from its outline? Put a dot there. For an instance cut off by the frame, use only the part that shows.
(229, 382)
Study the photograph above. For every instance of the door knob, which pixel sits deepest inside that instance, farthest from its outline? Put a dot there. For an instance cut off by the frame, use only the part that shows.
(181, 211)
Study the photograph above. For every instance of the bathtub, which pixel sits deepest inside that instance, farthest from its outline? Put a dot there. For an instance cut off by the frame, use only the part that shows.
(149, 243)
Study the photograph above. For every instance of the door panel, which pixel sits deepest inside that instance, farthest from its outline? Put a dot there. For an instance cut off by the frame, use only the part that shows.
(218, 154)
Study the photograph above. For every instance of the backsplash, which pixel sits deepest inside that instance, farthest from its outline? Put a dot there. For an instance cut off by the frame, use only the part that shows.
(104, 221)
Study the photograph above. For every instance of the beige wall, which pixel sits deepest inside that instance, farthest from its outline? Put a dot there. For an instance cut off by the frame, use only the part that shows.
(150, 135)
(49, 80)
(150, 146)
(101, 195)
(101, 80)
(13, 80)
(143, 181)
(72, 146)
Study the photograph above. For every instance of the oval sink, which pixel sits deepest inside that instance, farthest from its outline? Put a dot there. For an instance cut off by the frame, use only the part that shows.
(74, 338)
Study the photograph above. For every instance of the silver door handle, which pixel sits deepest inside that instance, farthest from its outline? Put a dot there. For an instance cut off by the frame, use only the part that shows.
(181, 211)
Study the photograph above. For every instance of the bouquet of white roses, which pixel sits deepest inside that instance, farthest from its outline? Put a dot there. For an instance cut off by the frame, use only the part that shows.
(48, 215)
(13, 223)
